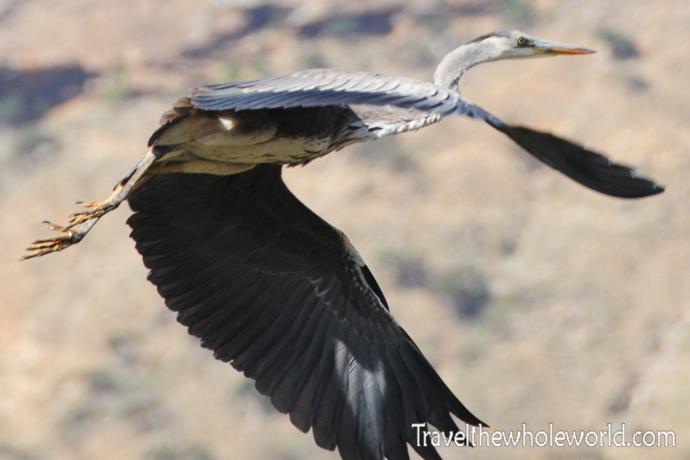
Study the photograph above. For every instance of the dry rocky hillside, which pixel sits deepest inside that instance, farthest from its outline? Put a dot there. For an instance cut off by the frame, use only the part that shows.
(537, 300)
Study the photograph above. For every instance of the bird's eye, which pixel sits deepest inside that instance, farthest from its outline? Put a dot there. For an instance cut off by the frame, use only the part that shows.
(522, 41)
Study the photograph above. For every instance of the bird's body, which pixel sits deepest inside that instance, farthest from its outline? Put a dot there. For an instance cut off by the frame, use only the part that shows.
(274, 289)
(228, 126)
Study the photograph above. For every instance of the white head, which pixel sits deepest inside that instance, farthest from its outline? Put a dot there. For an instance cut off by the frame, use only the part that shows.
(494, 46)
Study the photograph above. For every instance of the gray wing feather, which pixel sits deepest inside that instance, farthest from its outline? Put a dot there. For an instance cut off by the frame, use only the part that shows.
(321, 87)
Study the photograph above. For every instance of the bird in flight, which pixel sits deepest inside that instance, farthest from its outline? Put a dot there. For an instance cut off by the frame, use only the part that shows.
(275, 290)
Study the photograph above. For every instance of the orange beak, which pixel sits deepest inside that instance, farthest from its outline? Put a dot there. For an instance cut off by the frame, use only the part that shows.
(548, 47)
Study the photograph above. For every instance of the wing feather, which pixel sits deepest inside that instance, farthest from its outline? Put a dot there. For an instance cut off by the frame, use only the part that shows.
(304, 394)
(330, 87)
(280, 294)
(320, 87)
(589, 168)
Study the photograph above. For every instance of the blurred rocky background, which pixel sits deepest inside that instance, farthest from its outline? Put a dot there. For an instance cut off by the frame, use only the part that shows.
(537, 300)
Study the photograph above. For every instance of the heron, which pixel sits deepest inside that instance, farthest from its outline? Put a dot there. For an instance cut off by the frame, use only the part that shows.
(275, 290)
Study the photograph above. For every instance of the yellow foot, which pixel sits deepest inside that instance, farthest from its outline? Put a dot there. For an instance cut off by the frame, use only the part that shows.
(96, 210)
(84, 221)
(57, 243)
(92, 204)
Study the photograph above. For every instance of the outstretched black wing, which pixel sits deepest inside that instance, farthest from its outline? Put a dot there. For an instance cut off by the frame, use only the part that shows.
(321, 87)
(589, 168)
(282, 295)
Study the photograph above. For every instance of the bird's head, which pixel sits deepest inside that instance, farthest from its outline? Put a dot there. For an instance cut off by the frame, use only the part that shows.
(513, 44)
(495, 46)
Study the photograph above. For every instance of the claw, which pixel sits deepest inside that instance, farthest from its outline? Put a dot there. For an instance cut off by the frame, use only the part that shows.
(98, 210)
(84, 221)
(68, 236)
(92, 204)
(52, 226)
(57, 243)
(65, 239)
(80, 216)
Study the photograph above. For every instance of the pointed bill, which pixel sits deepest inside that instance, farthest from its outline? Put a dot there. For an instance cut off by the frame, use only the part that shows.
(549, 47)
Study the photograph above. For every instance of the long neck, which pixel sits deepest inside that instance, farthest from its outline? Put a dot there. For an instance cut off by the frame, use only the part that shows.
(457, 62)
